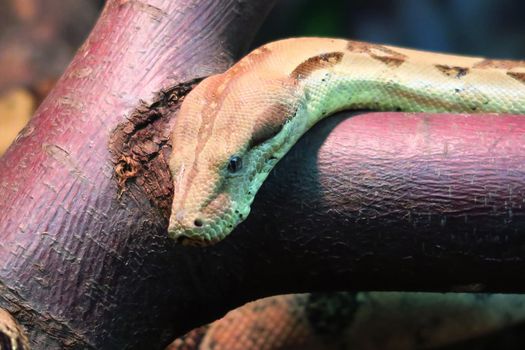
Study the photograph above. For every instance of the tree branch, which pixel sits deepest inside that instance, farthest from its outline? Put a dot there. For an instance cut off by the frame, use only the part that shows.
(85, 263)
(394, 201)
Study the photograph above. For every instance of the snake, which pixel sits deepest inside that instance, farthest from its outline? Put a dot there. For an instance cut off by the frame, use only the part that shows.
(361, 321)
(234, 127)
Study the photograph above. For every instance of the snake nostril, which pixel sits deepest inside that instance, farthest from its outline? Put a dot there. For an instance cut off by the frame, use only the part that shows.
(198, 222)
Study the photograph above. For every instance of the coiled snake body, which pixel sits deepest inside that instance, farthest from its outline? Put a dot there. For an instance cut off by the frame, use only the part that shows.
(234, 127)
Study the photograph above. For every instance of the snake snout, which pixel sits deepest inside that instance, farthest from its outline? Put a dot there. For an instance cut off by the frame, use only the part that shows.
(188, 229)
(198, 222)
(183, 222)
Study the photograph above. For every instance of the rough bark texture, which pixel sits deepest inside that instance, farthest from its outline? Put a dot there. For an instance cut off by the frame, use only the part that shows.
(397, 201)
(385, 201)
(85, 262)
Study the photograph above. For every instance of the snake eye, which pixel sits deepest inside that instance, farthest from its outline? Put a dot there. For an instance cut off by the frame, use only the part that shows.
(235, 164)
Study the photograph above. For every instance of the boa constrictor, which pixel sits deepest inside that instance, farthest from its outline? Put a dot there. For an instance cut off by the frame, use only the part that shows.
(234, 127)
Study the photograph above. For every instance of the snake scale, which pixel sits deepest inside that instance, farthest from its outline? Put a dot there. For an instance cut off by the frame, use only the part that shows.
(234, 127)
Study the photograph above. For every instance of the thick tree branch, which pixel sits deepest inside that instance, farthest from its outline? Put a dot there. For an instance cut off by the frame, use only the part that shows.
(85, 263)
(393, 201)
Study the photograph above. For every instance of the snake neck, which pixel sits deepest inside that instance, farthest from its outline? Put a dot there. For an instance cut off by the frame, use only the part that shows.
(364, 76)
(355, 80)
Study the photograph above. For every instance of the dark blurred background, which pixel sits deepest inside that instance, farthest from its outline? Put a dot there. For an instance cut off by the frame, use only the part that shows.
(494, 28)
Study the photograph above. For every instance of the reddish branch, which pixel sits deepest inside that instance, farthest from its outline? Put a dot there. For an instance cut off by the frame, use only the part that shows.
(83, 261)
(386, 201)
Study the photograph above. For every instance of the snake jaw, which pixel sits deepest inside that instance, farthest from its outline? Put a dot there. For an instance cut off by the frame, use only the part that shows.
(189, 237)
(213, 227)
(187, 233)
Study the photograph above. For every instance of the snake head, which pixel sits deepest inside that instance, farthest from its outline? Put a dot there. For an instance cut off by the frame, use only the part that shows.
(224, 145)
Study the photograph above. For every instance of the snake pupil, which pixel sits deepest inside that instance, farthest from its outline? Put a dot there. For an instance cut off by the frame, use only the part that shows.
(235, 164)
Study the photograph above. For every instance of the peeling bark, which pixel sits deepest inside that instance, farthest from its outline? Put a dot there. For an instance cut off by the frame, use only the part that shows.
(141, 147)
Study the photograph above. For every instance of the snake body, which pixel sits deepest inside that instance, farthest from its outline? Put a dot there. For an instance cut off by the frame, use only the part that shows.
(234, 127)
(360, 321)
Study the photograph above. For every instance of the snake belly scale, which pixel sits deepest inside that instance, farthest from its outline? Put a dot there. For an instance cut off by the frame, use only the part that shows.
(234, 127)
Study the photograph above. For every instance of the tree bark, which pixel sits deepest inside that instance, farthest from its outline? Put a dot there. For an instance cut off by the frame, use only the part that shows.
(395, 201)
(382, 201)
(85, 260)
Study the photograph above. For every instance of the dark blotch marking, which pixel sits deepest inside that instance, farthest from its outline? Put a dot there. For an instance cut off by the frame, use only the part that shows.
(450, 71)
(270, 122)
(330, 314)
(499, 64)
(315, 63)
(389, 60)
(264, 134)
(517, 75)
(381, 53)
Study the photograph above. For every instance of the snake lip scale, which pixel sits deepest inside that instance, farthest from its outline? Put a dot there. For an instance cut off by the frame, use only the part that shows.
(234, 127)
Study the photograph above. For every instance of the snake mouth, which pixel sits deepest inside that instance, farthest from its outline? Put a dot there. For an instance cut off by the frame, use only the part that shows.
(195, 242)
(200, 233)
(191, 239)
(189, 236)
(206, 226)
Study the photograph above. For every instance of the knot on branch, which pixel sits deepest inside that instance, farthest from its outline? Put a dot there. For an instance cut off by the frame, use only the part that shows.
(141, 147)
